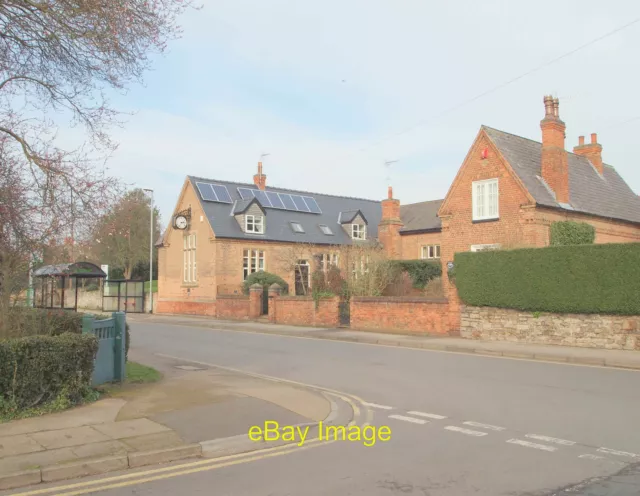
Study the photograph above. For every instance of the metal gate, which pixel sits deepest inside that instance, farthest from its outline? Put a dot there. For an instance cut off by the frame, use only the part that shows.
(345, 312)
(123, 296)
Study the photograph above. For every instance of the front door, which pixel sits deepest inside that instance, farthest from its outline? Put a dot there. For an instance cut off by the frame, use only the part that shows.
(302, 278)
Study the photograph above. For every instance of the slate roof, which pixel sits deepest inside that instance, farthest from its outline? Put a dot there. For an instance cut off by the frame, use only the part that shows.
(604, 196)
(421, 217)
(278, 227)
(347, 216)
(242, 205)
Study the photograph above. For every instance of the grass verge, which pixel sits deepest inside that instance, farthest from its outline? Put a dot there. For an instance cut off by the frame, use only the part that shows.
(141, 374)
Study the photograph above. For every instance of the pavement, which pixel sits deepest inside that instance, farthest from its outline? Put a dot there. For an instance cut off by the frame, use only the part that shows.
(194, 411)
(553, 353)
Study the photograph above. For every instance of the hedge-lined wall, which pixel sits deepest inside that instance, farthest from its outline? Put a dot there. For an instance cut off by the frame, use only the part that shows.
(420, 271)
(569, 232)
(565, 279)
(38, 369)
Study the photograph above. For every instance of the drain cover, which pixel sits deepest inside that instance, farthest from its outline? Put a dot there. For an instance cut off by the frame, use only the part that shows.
(188, 367)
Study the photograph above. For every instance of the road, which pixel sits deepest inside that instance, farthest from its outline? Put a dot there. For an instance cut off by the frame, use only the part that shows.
(461, 424)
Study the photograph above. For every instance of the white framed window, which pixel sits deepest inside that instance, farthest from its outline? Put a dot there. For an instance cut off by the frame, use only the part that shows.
(360, 266)
(252, 261)
(325, 229)
(430, 251)
(484, 196)
(328, 260)
(494, 246)
(358, 231)
(297, 227)
(254, 224)
(190, 271)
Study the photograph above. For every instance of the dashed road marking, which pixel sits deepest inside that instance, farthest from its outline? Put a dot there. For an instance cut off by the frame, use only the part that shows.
(527, 444)
(375, 405)
(591, 457)
(462, 430)
(548, 439)
(408, 419)
(428, 415)
(484, 426)
(617, 453)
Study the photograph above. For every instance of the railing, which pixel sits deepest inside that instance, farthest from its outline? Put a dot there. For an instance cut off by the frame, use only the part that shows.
(109, 363)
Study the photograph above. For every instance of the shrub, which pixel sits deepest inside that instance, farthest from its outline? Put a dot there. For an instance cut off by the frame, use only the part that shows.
(265, 279)
(566, 279)
(37, 369)
(420, 271)
(572, 233)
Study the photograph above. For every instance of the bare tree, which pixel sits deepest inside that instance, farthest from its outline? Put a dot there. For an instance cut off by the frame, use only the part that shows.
(368, 271)
(121, 237)
(58, 60)
(292, 259)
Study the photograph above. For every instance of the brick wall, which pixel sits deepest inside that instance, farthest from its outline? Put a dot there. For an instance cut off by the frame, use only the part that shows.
(584, 330)
(301, 310)
(412, 243)
(400, 314)
(187, 307)
(232, 307)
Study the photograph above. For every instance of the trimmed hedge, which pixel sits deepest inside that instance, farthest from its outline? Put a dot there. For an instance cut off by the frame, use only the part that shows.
(265, 279)
(39, 369)
(572, 233)
(565, 279)
(420, 271)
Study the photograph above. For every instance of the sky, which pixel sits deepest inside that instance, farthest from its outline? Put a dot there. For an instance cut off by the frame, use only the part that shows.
(332, 90)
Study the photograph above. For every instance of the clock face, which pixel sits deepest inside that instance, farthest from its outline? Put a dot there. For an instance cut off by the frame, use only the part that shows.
(181, 222)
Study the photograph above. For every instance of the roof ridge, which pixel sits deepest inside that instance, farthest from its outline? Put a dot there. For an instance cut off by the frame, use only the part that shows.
(251, 185)
(422, 202)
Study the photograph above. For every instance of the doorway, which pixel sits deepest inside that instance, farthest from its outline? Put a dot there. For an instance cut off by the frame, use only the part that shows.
(302, 278)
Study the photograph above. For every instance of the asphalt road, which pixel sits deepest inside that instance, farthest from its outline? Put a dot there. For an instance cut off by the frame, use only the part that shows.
(492, 427)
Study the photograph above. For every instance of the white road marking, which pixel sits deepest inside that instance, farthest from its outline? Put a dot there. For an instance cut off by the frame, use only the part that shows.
(468, 432)
(591, 457)
(527, 444)
(408, 419)
(428, 415)
(375, 405)
(548, 439)
(484, 426)
(618, 453)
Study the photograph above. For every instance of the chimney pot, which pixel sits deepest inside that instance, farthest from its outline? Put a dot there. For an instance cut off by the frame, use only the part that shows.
(556, 107)
(259, 179)
(580, 140)
(594, 138)
(548, 106)
(390, 193)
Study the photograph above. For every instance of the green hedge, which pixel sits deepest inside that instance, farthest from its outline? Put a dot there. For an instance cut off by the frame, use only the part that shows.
(420, 271)
(40, 369)
(567, 279)
(26, 321)
(572, 233)
(265, 279)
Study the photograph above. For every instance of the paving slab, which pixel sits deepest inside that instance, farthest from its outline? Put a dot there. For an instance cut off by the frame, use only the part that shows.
(18, 445)
(105, 448)
(149, 442)
(35, 460)
(68, 437)
(130, 428)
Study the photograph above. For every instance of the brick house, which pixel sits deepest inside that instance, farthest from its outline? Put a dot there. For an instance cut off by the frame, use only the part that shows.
(223, 231)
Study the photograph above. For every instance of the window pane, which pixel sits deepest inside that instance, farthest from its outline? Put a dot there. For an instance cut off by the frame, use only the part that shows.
(437, 251)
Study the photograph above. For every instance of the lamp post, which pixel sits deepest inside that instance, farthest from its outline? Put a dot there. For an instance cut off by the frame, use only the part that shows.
(150, 191)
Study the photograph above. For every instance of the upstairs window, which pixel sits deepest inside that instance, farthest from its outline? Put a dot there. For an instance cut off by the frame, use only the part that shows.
(254, 224)
(430, 251)
(358, 231)
(484, 196)
(297, 227)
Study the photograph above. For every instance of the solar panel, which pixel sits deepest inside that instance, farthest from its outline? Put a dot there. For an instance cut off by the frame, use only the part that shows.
(206, 191)
(275, 200)
(287, 201)
(262, 197)
(300, 204)
(222, 193)
(312, 204)
(245, 193)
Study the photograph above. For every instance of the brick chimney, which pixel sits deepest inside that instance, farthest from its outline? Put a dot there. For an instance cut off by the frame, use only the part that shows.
(259, 179)
(593, 151)
(555, 168)
(390, 225)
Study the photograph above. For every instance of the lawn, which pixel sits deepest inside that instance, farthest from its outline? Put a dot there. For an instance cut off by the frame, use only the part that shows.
(139, 374)
(154, 286)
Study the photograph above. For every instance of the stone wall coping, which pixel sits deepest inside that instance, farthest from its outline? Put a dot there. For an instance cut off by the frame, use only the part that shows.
(232, 297)
(397, 299)
(305, 298)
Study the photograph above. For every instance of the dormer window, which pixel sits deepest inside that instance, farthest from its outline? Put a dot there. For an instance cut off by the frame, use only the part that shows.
(358, 231)
(254, 224)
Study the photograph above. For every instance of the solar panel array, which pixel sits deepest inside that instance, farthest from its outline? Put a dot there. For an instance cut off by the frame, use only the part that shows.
(214, 192)
(283, 201)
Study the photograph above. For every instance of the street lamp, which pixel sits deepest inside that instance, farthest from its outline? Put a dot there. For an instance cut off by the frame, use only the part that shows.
(150, 191)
